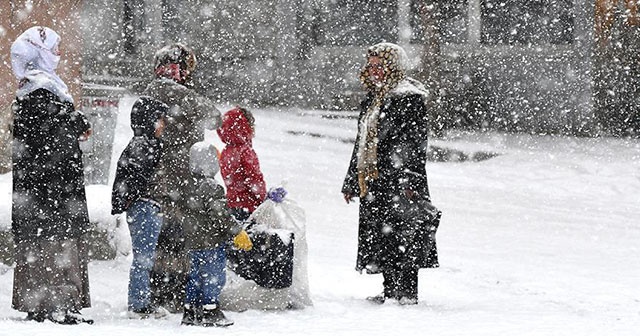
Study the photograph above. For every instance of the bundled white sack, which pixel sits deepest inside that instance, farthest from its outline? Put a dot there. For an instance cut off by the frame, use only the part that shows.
(240, 294)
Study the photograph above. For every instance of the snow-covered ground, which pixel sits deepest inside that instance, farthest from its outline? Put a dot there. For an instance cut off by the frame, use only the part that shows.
(540, 240)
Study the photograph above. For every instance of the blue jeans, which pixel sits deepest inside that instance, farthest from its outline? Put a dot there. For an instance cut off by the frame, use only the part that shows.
(207, 276)
(144, 226)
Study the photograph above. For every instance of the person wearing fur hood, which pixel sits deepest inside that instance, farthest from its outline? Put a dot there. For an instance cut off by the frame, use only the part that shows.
(387, 171)
(189, 114)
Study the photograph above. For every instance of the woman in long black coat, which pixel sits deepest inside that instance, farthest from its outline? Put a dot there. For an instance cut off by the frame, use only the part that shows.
(387, 172)
(49, 208)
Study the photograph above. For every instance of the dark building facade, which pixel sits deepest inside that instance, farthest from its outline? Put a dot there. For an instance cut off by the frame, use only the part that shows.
(517, 65)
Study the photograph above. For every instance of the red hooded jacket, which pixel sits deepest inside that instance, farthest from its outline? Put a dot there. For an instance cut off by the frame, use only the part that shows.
(239, 164)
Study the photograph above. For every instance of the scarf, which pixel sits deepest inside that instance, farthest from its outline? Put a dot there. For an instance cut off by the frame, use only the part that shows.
(34, 59)
(393, 60)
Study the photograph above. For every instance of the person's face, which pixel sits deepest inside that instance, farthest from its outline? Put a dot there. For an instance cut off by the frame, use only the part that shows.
(56, 49)
(375, 69)
(160, 124)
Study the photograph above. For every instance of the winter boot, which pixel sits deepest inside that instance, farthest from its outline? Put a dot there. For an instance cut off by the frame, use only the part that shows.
(79, 318)
(36, 316)
(407, 301)
(160, 312)
(68, 318)
(191, 315)
(377, 299)
(212, 316)
(148, 312)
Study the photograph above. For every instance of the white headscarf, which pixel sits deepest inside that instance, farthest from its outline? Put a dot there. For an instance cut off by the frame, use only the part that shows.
(34, 59)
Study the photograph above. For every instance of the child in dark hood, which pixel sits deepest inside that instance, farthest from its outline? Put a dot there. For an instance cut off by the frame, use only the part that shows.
(208, 228)
(239, 165)
(131, 193)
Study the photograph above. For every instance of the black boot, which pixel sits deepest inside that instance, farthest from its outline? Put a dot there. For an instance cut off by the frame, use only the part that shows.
(389, 291)
(74, 314)
(377, 299)
(68, 317)
(408, 287)
(190, 316)
(148, 312)
(212, 316)
(408, 300)
(36, 316)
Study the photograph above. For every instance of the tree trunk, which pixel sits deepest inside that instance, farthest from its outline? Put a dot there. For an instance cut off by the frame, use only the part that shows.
(430, 71)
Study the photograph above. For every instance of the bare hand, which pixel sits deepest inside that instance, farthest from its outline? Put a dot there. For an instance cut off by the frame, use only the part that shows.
(85, 136)
(348, 197)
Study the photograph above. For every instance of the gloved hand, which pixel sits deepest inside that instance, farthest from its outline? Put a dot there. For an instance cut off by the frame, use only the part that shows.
(242, 241)
(276, 194)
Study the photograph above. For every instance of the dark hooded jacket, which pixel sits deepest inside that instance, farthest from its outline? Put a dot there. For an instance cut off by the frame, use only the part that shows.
(138, 161)
(207, 222)
(49, 199)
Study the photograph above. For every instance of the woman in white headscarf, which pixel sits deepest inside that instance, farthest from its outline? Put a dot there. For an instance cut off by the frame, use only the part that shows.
(387, 172)
(49, 208)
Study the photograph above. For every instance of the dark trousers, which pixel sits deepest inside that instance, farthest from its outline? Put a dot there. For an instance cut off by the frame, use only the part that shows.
(399, 269)
(170, 267)
(240, 214)
(400, 282)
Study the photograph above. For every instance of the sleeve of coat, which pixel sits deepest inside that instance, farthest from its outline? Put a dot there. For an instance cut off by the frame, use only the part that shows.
(133, 173)
(254, 178)
(120, 190)
(78, 122)
(215, 205)
(350, 184)
(206, 115)
(416, 130)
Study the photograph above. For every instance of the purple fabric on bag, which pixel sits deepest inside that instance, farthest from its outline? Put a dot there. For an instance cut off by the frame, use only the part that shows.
(276, 194)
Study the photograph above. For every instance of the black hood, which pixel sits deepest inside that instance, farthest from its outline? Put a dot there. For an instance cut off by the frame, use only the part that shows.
(145, 113)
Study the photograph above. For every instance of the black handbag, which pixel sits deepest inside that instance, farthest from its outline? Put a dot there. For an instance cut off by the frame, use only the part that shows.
(421, 220)
(421, 210)
(269, 263)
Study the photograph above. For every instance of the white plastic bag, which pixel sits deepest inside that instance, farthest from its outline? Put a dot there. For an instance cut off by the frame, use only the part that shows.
(119, 236)
(240, 294)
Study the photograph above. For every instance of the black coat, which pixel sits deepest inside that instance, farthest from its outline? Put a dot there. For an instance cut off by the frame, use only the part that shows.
(136, 166)
(386, 234)
(49, 199)
(139, 160)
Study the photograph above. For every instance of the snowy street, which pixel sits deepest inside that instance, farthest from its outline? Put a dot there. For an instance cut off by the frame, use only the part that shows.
(541, 239)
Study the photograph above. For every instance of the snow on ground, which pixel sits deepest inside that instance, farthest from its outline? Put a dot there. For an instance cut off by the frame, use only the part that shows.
(540, 240)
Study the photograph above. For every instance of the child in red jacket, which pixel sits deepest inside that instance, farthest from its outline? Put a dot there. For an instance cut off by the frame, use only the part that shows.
(239, 165)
